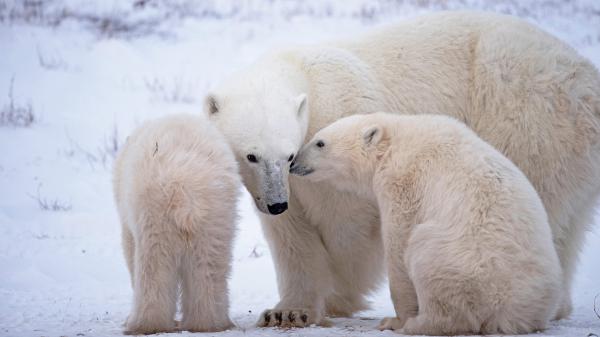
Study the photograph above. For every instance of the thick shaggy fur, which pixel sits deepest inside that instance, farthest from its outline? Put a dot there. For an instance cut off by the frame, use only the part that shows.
(176, 186)
(523, 91)
(467, 243)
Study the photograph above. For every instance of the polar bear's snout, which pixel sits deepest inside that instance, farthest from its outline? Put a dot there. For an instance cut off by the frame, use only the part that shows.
(300, 169)
(301, 166)
(273, 177)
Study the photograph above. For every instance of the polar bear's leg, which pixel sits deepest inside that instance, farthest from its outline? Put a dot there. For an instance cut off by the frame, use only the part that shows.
(304, 275)
(431, 263)
(355, 271)
(155, 282)
(571, 242)
(424, 324)
(442, 312)
(344, 304)
(348, 227)
(403, 295)
(402, 290)
(355, 248)
(204, 297)
(128, 250)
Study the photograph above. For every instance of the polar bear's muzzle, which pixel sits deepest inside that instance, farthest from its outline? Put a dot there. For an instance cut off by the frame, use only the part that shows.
(300, 170)
(274, 186)
(299, 166)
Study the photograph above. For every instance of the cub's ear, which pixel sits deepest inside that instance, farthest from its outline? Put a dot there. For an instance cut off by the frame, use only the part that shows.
(211, 106)
(301, 104)
(372, 135)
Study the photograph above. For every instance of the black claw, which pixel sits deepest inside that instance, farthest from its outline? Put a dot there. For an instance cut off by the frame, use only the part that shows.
(267, 317)
(304, 318)
(292, 317)
(278, 317)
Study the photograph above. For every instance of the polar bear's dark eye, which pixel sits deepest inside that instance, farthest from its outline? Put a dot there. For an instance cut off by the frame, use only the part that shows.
(252, 158)
(291, 157)
(320, 143)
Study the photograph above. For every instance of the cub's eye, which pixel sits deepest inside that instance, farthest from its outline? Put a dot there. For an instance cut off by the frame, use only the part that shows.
(291, 157)
(252, 158)
(320, 143)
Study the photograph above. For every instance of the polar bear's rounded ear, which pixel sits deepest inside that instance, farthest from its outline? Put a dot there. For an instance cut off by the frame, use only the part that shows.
(301, 104)
(372, 135)
(211, 106)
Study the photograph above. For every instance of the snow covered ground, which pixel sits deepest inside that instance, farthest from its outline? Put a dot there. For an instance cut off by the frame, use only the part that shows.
(87, 72)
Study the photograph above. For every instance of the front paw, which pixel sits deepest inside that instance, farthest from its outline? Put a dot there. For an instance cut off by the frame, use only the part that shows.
(295, 318)
(137, 325)
(391, 323)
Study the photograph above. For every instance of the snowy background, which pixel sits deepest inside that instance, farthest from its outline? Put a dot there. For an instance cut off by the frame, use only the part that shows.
(76, 76)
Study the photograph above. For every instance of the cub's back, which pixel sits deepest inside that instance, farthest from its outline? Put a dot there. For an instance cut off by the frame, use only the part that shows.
(179, 166)
(477, 182)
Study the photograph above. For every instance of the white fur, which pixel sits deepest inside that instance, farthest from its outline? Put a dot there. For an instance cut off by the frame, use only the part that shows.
(523, 91)
(176, 186)
(467, 243)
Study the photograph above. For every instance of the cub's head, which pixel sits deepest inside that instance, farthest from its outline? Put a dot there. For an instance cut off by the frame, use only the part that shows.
(265, 124)
(343, 153)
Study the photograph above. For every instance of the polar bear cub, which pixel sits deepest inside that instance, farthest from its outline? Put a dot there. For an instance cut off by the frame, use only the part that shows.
(467, 243)
(176, 186)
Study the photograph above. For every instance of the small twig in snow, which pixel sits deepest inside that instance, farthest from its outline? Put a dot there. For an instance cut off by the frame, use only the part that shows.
(254, 253)
(14, 114)
(103, 154)
(176, 91)
(50, 62)
(54, 205)
(596, 310)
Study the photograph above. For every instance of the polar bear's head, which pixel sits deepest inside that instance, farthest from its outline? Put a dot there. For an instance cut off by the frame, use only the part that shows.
(265, 124)
(345, 153)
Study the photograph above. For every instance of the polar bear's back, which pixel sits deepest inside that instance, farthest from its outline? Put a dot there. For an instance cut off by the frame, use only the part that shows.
(466, 63)
(447, 34)
(463, 181)
(176, 169)
(466, 165)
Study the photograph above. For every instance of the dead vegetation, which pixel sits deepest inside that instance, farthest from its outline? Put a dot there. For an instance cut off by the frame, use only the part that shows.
(16, 114)
(597, 312)
(54, 205)
(103, 155)
(133, 19)
(175, 91)
(54, 13)
(50, 62)
(137, 18)
(255, 253)
(596, 309)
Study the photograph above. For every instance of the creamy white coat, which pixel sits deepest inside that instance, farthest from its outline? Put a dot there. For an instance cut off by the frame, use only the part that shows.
(467, 244)
(523, 91)
(176, 185)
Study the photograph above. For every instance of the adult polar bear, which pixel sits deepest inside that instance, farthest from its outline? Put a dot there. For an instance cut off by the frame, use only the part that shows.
(523, 91)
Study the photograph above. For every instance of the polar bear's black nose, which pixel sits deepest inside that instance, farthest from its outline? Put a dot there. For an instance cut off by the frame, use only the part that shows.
(277, 208)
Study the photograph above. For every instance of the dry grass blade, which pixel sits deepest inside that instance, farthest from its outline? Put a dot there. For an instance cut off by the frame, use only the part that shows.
(15, 114)
(50, 205)
(596, 309)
